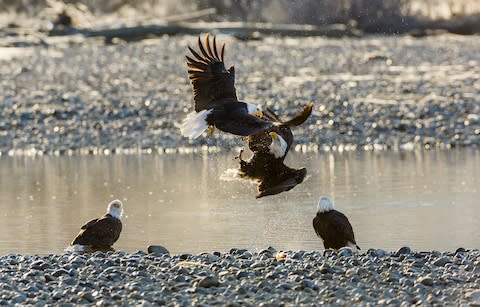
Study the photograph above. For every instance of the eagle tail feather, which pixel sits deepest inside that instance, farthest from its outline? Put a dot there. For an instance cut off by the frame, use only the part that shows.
(195, 124)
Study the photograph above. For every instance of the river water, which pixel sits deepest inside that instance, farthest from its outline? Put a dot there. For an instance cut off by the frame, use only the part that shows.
(427, 200)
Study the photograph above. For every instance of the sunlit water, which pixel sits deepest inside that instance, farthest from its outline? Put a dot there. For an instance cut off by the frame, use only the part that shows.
(426, 200)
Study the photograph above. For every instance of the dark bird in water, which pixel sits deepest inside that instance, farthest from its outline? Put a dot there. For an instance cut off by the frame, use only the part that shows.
(101, 233)
(270, 147)
(333, 226)
(216, 103)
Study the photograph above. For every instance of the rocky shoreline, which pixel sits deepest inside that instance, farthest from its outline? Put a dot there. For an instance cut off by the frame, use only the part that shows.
(74, 95)
(242, 277)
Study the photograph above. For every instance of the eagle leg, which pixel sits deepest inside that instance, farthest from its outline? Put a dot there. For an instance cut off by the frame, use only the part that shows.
(239, 157)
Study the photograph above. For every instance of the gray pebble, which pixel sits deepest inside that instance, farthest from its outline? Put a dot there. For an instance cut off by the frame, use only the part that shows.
(157, 250)
(209, 281)
(87, 296)
(426, 280)
(345, 251)
(403, 251)
(144, 279)
(441, 261)
(60, 272)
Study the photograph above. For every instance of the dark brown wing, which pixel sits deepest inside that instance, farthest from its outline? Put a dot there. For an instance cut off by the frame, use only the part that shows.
(233, 117)
(211, 81)
(272, 175)
(297, 120)
(89, 223)
(101, 233)
(334, 229)
(300, 118)
(286, 182)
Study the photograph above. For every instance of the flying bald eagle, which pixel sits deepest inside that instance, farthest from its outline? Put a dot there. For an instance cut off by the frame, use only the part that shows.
(101, 233)
(333, 226)
(216, 103)
(270, 147)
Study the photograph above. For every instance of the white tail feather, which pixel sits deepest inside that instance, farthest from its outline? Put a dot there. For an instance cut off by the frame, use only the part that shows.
(195, 124)
(353, 246)
(77, 248)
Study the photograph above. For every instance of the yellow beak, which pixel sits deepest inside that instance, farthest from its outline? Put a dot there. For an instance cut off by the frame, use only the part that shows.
(273, 135)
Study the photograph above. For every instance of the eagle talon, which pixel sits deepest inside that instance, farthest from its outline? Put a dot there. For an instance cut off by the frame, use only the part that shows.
(239, 157)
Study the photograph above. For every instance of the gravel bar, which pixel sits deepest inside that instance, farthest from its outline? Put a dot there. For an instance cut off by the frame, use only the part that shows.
(73, 95)
(242, 277)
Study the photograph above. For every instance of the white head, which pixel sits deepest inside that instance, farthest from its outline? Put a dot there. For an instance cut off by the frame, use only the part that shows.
(254, 109)
(325, 204)
(115, 208)
(278, 147)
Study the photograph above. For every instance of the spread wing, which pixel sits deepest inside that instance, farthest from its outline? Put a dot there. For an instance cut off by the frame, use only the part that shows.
(271, 174)
(283, 186)
(297, 120)
(211, 81)
(100, 232)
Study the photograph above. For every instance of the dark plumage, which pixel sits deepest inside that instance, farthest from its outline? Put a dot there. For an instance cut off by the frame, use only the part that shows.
(103, 232)
(216, 103)
(270, 148)
(261, 142)
(333, 226)
(271, 174)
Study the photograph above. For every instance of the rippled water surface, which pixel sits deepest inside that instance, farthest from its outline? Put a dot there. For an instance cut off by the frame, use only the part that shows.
(425, 200)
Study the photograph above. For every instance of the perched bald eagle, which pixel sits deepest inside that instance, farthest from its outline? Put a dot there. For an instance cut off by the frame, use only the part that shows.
(270, 147)
(216, 103)
(333, 226)
(101, 233)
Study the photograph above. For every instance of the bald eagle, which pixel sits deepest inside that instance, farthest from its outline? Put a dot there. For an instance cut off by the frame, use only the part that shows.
(101, 233)
(271, 174)
(215, 97)
(277, 139)
(333, 226)
(270, 147)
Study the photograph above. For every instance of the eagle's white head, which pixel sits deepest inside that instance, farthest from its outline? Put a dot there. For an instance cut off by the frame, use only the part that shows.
(115, 208)
(278, 147)
(325, 204)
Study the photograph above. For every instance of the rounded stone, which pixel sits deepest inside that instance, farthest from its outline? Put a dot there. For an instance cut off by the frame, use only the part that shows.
(403, 251)
(157, 250)
(208, 281)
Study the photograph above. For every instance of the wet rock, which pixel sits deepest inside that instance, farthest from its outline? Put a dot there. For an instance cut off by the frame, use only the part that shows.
(209, 281)
(441, 261)
(403, 251)
(426, 280)
(345, 252)
(157, 250)
(60, 272)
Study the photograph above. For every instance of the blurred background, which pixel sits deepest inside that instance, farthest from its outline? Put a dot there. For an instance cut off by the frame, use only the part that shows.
(371, 16)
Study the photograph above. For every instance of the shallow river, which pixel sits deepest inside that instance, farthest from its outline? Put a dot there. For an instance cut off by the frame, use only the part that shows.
(426, 200)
